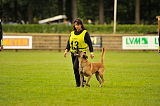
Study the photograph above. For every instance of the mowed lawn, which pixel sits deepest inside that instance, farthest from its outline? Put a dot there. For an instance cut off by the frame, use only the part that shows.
(46, 78)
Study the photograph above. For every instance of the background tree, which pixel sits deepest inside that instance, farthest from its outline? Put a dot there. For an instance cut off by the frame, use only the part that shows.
(88, 10)
(137, 12)
(74, 9)
(129, 11)
(101, 12)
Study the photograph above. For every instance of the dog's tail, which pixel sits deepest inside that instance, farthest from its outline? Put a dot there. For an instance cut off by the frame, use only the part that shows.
(102, 55)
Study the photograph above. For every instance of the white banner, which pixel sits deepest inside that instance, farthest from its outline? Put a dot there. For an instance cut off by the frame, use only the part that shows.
(96, 41)
(140, 42)
(17, 42)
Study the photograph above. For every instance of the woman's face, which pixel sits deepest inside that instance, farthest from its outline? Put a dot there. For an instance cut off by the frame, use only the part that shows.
(78, 26)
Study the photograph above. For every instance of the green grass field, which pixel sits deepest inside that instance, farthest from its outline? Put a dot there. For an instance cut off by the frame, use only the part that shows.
(45, 78)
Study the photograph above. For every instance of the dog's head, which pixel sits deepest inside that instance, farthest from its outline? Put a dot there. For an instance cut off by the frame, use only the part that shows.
(83, 55)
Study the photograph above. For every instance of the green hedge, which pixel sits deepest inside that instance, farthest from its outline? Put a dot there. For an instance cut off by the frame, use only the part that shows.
(61, 28)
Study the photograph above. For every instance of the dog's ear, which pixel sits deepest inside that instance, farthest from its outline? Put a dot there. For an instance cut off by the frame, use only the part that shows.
(85, 56)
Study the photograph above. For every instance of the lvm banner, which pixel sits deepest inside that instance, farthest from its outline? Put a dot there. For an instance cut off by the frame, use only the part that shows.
(17, 42)
(140, 42)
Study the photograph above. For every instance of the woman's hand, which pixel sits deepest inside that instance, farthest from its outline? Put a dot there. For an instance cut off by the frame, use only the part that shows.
(92, 55)
(65, 53)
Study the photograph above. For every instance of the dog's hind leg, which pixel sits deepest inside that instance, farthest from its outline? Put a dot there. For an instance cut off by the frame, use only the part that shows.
(101, 73)
(102, 78)
(98, 77)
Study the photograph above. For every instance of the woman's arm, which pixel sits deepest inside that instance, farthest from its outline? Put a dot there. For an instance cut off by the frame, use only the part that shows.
(89, 42)
(67, 49)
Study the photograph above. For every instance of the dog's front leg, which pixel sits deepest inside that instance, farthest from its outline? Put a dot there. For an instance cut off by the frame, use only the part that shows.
(81, 76)
(87, 83)
(81, 79)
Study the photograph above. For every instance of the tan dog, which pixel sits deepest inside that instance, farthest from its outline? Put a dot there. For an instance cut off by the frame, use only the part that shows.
(87, 68)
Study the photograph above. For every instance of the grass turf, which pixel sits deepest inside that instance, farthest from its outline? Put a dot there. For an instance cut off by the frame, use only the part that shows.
(44, 78)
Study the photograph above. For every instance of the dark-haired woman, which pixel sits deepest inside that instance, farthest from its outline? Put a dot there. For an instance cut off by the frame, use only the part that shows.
(79, 39)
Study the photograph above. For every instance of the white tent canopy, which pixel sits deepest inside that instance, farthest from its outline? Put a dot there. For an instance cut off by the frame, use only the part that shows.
(55, 18)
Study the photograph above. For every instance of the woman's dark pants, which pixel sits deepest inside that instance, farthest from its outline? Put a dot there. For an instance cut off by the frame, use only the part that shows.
(75, 63)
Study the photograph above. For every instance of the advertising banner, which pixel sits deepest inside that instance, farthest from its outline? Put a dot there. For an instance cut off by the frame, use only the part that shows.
(17, 42)
(96, 41)
(140, 42)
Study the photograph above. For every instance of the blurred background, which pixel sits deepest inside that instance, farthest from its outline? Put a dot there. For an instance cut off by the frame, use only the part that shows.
(91, 11)
(48, 23)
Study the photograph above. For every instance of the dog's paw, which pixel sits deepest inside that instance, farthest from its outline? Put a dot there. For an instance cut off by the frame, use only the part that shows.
(88, 85)
(82, 85)
(100, 86)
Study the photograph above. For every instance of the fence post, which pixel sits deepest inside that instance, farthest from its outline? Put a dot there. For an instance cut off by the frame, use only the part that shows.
(158, 17)
(59, 43)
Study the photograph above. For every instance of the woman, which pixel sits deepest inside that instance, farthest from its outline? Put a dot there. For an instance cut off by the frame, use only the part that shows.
(79, 40)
